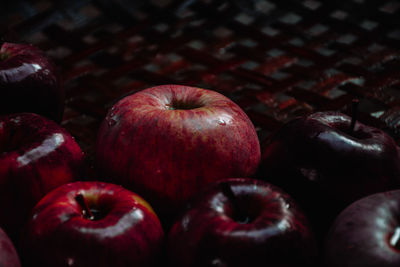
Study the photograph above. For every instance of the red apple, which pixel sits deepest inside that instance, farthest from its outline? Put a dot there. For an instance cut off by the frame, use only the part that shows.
(36, 156)
(366, 233)
(168, 142)
(8, 255)
(29, 82)
(327, 160)
(242, 222)
(97, 224)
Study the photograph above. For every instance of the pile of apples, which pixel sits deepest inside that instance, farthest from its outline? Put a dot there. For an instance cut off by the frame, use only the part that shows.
(183, 181)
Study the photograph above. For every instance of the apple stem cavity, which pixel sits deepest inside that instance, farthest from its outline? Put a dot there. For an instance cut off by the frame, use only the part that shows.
(87, 213)
(239, 215)
(183, 105)
(354, 113)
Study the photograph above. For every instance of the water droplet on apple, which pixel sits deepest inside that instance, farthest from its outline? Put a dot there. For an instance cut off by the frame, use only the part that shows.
(112, 112)
(111, 122)
(221, 122)
(70, 261)
(217, 262)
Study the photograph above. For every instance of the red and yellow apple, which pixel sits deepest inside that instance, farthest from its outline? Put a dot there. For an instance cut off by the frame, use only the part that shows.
(92, 224)
(168, 142)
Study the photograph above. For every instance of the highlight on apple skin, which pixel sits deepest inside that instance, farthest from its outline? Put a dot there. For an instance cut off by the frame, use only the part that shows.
(8, 254)
(169, 141)
(92, 224)
(36, 156)
(242, 222)
(29, 82)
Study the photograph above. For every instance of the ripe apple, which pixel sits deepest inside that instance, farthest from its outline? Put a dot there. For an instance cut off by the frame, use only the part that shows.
(36, 156)
(29, 82)
(169, 141)
(366, 233)
(241, 222)
(8, 254)
(97, 224)
(326, 161)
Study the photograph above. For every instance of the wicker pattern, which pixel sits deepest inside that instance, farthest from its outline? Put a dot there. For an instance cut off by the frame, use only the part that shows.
(276, 59)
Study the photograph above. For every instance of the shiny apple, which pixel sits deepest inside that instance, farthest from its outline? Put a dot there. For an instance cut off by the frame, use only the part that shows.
(366, 233)
(29, 82)
(327, 160)
(241, 222)
(85, 224)
(36, 156)
(169, 141)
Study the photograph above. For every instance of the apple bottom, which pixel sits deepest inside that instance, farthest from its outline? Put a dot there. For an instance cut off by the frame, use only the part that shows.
(255, 224)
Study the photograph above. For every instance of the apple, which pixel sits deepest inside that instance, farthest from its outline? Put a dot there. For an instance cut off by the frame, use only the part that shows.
(8, 254)
(327, 160)
(241, 222)
(91, 223)
(167, 142)
(366, 233)
(29, 82)
(36, 156)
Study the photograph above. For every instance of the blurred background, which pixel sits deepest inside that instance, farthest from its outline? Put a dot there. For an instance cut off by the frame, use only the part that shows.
(276, 59)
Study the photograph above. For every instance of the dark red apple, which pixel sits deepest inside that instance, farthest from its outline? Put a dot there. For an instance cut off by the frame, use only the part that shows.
(242, 222)
(85, 224)
(36, 156)
(326, 162)
(29, 82)
(8, 254)
(366, 233)
(168, 142)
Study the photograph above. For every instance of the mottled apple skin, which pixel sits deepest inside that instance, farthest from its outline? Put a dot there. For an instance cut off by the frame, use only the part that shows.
(207, 234)
(29, 82)
(8, 254)
(325, 167)
(58, 234)
(168, 142)
(36, 156)
(361, 235)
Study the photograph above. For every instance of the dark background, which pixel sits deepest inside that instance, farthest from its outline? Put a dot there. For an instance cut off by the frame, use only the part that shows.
(276, 59)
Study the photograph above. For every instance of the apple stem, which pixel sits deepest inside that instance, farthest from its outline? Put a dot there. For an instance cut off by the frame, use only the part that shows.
(354, 111)
(85, 207)
(239, 214)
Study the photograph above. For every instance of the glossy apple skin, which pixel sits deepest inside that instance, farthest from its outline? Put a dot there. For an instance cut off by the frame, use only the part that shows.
(8, 254)
(168, 142)
(325, 167)
(36, 156)
(29, 82)
(361, 235)
(208, 234)
(58, 234)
